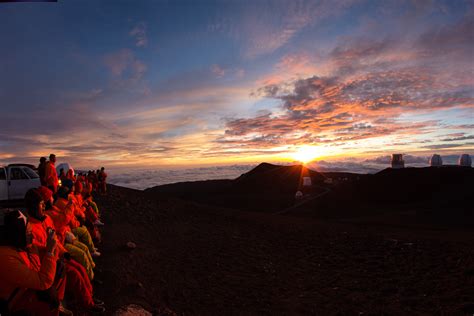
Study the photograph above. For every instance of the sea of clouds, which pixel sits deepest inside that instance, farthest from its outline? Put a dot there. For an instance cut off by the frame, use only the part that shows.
(147, 178)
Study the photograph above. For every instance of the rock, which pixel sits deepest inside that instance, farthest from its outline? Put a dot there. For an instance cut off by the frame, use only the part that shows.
(132, 310)
(131, 245)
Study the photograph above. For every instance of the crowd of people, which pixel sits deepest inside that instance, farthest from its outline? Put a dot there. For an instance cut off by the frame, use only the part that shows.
(49, 177)
(48, 251)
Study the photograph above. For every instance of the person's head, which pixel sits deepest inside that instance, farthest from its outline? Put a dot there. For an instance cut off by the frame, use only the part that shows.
(87, 196)
(47, 196)
(61, 171)
(87, 189)
(52, 158)
(63, 192)
(69, 184)
(43, 160)
(102, 169)
(34, 204)
(78, 187)
(15, 230)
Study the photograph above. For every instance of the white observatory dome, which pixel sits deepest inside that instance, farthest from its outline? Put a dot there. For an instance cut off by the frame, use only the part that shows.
(436, 161)
(465, 160)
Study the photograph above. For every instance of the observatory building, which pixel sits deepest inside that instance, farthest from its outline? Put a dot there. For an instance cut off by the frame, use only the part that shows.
(397, 161)
(465, 160)
(436, 161)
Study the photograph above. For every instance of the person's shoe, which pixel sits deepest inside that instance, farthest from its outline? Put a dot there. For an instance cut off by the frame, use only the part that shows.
(98, 223)
(64, 311)
(96, 309)
(95, 254)
(98, 302)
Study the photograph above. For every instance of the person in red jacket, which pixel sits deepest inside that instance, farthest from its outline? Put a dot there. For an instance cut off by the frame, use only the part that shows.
(78, 283)
(70, 175)
(51, 176)
(38, 226)
(102, 177)
(19, 279)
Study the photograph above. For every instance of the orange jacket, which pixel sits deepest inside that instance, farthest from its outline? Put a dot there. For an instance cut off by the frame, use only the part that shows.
(70, 175)
(17, 272)
(40, 236)
(68, 209)
(60, 220)
(77, 202)
(51, 176)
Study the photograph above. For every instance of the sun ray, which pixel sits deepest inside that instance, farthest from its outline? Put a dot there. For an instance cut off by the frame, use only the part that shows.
(306, 153)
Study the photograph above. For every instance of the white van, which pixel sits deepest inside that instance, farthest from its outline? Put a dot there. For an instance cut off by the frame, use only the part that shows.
(16, 180)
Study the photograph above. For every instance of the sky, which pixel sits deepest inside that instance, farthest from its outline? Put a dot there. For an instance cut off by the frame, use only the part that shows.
(196, 83)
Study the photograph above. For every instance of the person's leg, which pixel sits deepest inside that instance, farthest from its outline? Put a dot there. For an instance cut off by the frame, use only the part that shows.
(60, 286)
(91, 216)
(27, 303)
(80, 269)
(79, 244)
(80, 256)
(95, 207)
(84, 237)
(77, 285)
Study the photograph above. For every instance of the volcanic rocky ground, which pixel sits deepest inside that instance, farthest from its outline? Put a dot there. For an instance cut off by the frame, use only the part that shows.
(195, 259)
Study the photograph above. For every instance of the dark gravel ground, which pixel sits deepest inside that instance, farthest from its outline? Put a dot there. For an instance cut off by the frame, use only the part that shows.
(196, 260)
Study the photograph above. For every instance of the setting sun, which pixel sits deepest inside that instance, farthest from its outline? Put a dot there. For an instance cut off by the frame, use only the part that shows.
(306, 154)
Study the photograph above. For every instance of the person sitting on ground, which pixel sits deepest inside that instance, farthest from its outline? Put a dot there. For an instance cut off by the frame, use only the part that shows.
(51, 176)
(62, 175)
(92, 219)
(19, 280)
(70, 175)
(38, 226)
(66, 223)
(80, 211)
(78, 283)
(42, 170)
(91, 215)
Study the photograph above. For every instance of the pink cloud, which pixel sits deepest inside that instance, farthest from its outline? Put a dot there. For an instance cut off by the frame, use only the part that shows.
(139, 34)
(124, 64)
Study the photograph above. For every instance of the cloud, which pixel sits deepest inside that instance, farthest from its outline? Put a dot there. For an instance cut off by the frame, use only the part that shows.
(265, 26)
(123, 64)
(369, 90)
(443, 146)
(217, 70)
(139, 34)
(454, 139)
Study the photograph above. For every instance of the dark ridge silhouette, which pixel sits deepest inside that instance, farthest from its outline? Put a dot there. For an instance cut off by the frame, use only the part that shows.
(441, 195)
(266, 188)
(426, 195)
(274, 178)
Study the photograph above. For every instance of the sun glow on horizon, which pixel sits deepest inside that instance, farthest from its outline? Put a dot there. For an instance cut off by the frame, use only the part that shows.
(306, 153)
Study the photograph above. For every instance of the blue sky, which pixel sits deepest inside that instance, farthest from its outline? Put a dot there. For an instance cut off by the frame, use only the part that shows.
(166, 83)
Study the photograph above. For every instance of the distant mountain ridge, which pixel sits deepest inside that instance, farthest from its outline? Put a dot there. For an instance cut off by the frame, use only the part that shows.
(266, 187)
(440, 195)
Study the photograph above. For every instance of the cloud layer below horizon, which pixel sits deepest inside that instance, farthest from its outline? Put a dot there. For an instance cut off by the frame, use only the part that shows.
(168, 84)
